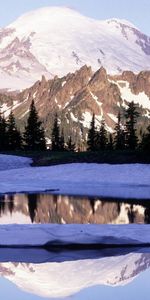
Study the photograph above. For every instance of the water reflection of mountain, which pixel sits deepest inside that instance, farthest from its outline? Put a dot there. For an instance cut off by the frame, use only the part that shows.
(53, 280)
(47, 208)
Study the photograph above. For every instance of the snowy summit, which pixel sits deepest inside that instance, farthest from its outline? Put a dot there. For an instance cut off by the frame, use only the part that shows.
(57, 40)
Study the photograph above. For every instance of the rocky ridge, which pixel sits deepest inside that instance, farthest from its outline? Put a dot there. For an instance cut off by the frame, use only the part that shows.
(76, 96)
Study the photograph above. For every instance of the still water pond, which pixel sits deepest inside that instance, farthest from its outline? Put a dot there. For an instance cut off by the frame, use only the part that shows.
(108, 274)
(81, 277)
(46, 208)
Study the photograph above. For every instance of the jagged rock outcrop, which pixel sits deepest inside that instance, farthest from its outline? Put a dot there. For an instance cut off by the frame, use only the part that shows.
(76, 96)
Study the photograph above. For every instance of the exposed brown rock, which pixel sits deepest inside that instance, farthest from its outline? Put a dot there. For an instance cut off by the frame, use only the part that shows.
(77, 96)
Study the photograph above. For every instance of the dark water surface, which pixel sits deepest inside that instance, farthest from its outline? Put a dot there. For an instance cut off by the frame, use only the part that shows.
(47, 208)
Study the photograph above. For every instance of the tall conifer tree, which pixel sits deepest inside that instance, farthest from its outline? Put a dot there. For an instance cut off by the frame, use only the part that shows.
(56, 135)
(62, 141)
(119, 135)
(131, 120)
(91, 140)
(70, 145)
(3, 134)
(34, 136)
(145, 143)
(110, 145)
(102, 139)
(14, 139)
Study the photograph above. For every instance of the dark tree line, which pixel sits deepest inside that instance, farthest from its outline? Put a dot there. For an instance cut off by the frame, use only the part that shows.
(58, 141)
(33, 136)
(124, 136)
(10, 136)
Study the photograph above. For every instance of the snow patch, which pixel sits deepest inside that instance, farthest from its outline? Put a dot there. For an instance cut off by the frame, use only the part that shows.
(113, 117)
(34, 95)
(87, 118)
(120, 181)
(63, 83)
(8, 162)
(96, 99)
(73, 117)
(126, 94)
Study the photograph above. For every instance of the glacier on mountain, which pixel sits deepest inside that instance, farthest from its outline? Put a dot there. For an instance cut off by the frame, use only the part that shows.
(57, 40)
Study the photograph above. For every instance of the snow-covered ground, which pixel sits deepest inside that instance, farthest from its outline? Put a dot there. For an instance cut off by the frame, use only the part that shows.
(122, 181)
(8, 162)
(54, 235)
(128, 181)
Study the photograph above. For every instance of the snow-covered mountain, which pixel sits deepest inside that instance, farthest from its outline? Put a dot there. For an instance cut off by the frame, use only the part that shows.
(57, 40)
(53, 280)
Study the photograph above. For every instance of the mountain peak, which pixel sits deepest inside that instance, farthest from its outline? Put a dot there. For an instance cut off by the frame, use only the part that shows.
(58, 40)
(45, 14)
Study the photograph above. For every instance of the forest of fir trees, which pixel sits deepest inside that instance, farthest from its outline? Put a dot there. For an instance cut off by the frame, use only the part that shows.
(33, 137)
(124, 136)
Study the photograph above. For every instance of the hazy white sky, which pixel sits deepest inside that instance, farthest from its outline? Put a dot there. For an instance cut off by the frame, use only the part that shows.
(136, 11)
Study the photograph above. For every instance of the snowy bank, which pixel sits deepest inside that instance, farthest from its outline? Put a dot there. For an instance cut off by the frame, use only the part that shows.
(75, 235)
(8, 162)
(122, 181)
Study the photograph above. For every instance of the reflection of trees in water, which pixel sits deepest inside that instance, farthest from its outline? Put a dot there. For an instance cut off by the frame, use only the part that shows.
(131, 214)
(147, 215)
(6, 203)
(46, 208)
(92, 204)
(2, 204)
(55, 201)
(11, 203)
(118, 208)
(32, 205)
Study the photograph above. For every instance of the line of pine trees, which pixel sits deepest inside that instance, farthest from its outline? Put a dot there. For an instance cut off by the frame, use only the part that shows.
(124, 136)
(33, 136)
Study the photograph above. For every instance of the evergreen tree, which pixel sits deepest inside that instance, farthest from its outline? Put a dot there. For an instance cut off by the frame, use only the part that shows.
(62, 142)
(14, 139)
(34, 136)
(91, 140)
(119, 135)
(56, 135)
(3, 134)
(70, 145)
(110, 145)
(131, 120)
(145, 144)
(102, 140)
